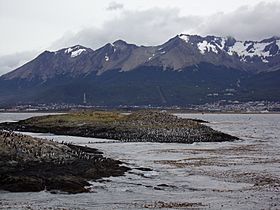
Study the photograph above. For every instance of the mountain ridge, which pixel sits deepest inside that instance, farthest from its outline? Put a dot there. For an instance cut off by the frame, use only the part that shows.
(177, 53)
(184, 70)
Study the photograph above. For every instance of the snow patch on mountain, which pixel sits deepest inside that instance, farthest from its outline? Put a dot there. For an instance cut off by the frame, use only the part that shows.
(221, 44)
(150, 58)
(77, 52)
(264, 60)
(278, 43)
(244, 50)
(206, 47)
(74, 51)
(184, 37)
(250, 49)
(68, 50)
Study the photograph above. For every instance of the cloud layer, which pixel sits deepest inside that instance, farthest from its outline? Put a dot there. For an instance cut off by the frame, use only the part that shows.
(246, 23)
(156, 25)
(148, 27)
(114, 6)
(12, 61)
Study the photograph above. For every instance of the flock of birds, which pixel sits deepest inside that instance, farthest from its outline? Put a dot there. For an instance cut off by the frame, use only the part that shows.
(20, 147)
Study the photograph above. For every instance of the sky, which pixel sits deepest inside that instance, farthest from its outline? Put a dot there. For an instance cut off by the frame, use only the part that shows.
(28, 27)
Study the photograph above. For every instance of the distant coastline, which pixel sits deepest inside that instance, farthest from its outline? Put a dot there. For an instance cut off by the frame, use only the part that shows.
(173, 111)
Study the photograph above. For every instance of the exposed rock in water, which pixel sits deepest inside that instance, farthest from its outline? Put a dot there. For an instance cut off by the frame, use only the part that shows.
(176, 205)
(30, 164)
(141, 126)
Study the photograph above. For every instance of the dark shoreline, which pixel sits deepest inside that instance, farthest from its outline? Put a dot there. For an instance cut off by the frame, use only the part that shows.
(30, 164)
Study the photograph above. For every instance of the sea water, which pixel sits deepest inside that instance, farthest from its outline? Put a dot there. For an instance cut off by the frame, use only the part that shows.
(243, 174)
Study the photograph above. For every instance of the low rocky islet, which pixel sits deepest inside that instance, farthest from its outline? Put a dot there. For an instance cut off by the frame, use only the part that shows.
(141, 126)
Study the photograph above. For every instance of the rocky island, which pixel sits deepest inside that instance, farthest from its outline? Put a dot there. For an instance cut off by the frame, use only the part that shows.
(30, 164)
(140, 126)
(33, 164)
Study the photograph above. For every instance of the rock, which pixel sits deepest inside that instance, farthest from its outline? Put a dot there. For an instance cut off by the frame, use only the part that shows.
(141, 126)
(31, 164)
(157, 188)
(175, 205)
(199, 120)
(69, 184)
(21, 184)
(143, 169)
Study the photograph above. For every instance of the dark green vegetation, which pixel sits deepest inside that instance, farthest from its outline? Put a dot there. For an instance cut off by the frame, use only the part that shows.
(141, 126)
(263, 86)
(30, 164)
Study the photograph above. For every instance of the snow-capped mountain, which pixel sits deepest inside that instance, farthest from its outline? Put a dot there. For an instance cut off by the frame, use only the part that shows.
(68, 61)
(253, 56)
(75, 51)
(194, 63)
(176, 54)
(247, 51)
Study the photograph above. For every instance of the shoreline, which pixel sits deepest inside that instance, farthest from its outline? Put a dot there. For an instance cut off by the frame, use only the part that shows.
(173, 111)
(29, 164)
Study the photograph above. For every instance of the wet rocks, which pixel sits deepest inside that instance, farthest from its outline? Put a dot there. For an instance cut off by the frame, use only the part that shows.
(144, 169)
(30, 164)
(164, 205)
(72, 184)
(21, 183)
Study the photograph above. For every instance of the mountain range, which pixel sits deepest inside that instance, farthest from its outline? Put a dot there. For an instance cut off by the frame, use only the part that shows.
(187, 69)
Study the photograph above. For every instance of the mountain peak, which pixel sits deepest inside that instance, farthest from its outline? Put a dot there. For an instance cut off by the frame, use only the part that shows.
(201, 61)
(185, 37)
(120, 42)
(75, 50)
(271, 39)
(177, 53)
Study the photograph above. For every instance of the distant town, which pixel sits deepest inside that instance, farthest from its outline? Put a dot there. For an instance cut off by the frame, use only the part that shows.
(219, 106)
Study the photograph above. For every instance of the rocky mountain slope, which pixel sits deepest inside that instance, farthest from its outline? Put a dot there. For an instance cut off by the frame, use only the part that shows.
(177, 53)
(195, 58)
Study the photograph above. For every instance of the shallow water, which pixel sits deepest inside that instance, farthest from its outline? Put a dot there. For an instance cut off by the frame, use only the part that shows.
(244, 174)
(14, 117)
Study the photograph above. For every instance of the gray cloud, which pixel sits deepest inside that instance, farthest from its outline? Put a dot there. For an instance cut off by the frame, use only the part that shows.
(12, 61)
(114, 6)
(157, 25)
(247, 22)
(149, 27)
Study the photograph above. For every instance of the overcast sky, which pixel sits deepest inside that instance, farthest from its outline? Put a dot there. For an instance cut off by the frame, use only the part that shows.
(29, 27)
